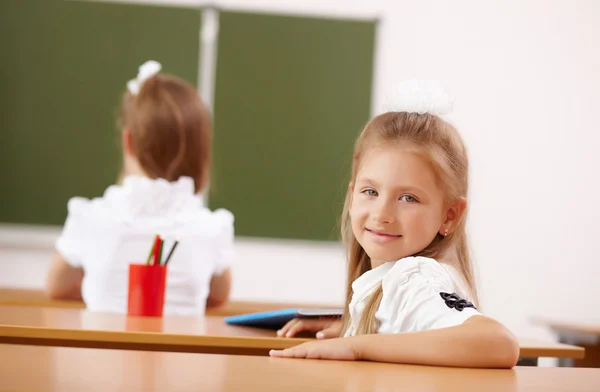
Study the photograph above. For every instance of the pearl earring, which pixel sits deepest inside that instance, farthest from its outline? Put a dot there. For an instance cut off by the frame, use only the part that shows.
(446, 233)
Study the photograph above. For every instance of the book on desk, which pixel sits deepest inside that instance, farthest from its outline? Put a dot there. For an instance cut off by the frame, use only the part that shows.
(276, 319)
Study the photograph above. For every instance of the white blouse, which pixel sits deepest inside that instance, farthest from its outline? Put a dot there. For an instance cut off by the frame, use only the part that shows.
(419, 294)
(104, 235)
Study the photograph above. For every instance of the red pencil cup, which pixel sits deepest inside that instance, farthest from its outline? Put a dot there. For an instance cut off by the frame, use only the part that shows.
(146, 290)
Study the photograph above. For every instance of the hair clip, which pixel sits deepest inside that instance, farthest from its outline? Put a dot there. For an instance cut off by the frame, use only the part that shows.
(419, 96)
(145, 72)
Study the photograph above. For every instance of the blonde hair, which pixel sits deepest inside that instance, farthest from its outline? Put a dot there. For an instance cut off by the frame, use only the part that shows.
(439, 142)
(171, 129)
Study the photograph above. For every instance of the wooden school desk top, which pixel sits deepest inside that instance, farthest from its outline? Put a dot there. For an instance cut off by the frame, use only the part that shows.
(81, 328)
(28, 368)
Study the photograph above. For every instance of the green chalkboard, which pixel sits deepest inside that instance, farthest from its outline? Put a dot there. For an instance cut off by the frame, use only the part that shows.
(63, 70)
(292, 93)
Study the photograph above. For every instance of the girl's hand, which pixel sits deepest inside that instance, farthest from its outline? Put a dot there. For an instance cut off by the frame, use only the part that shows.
(340, 349)
(324, 328)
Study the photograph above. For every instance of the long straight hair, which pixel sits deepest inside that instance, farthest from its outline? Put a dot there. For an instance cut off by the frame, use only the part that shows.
(439, 142)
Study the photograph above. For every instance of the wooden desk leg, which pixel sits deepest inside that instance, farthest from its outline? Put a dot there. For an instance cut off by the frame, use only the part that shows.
(527, 362)
(566, 362)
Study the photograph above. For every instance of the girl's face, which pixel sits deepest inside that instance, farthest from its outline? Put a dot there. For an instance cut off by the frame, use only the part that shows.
(397, 205)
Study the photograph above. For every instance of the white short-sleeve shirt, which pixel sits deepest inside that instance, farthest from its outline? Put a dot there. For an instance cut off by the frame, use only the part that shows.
(419, 294)
(104, 235)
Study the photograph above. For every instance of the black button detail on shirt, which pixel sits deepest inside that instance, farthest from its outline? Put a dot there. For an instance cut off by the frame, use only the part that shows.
(454, 301)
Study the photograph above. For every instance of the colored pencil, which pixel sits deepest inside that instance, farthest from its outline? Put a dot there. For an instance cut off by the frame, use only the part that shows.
(162, 245)
(171, 252)
(151, 250)
(157, 250)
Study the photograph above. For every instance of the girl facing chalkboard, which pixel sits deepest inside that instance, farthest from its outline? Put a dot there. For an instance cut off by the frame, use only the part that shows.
(166, 135)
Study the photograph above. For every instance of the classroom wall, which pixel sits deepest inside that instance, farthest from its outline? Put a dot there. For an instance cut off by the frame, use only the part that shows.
(525, 77)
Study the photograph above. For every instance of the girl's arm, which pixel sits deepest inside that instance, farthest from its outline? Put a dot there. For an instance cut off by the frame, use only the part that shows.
(479, 342)
(220, 288)
(63, 281)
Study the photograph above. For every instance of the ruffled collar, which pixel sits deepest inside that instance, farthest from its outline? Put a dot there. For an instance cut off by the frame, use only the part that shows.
(152, 198)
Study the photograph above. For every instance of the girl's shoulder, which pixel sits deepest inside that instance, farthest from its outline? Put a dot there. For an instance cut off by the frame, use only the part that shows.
(427, 269)
(420, 274)
(419, 294)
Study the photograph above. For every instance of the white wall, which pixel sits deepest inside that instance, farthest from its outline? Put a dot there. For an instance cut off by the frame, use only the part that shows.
(526, 78)
(524, 75)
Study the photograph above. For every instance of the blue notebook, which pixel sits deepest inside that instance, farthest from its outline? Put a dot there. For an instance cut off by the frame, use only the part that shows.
(276, 319)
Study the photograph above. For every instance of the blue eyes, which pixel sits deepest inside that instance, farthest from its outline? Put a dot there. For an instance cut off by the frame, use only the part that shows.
(370, 192)
(408, 199)
(404, 198)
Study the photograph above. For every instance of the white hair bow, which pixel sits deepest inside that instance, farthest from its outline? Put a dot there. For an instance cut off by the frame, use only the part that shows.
(419, 96)
(145, 71)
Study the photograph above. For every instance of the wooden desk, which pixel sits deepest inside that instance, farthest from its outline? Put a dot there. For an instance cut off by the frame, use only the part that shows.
(582, 333)
(80, 328)
(28, 368)
(26, 297)
(532, 348)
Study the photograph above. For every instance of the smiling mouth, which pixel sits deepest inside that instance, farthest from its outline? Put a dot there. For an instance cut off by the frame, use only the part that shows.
(383, 234)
